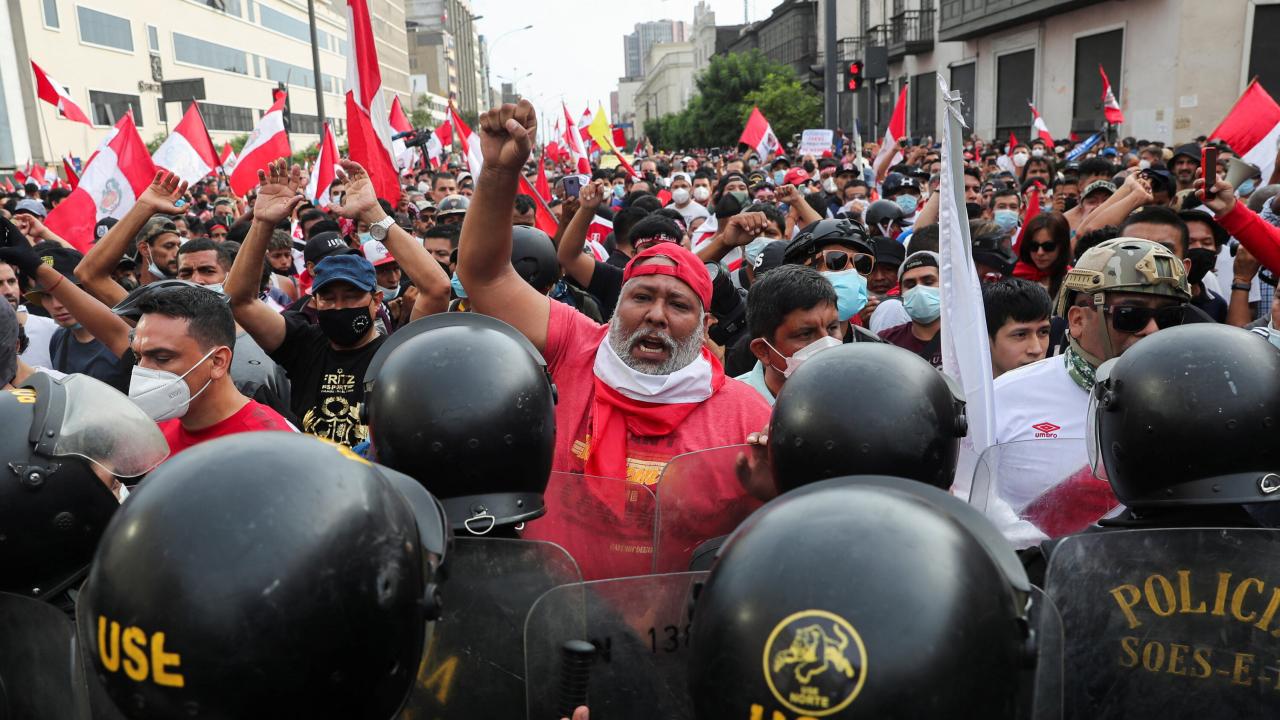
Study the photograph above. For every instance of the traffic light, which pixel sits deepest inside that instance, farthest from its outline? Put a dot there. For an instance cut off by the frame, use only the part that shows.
(853, 79)
(817, 77)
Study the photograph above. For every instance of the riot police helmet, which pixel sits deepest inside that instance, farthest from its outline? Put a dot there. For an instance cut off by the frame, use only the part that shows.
(1188, 416)
(881, 212)
(907, 419)
(453, 205)
(464, 403)
(862, 597)
(533, 255)
(65, 442)
(267, 574)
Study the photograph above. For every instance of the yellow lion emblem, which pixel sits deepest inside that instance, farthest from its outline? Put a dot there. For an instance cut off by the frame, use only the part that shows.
(812, 651)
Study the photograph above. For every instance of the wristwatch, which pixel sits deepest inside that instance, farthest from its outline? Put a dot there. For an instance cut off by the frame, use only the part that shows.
(1241, 286)
(378, 230)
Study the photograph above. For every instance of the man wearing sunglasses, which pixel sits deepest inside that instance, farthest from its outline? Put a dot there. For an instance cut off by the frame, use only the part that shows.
(1120, 292)
(842, 252)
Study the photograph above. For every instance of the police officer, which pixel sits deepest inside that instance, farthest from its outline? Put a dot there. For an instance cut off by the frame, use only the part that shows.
(463, 403)
(66, 446)
(452, 210)
(265, 575)
(862, 597)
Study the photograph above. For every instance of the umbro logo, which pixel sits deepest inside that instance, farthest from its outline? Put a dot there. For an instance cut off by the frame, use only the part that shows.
(1046, 430)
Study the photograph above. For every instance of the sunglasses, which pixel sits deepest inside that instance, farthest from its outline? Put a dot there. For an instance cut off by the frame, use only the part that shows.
(1045, 246)
(837, 260)
(1133, 318)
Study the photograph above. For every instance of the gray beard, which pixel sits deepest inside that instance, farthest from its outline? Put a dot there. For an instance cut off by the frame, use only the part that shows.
(679, 353)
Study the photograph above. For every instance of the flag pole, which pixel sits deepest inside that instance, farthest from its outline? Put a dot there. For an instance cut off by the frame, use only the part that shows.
(44, 128)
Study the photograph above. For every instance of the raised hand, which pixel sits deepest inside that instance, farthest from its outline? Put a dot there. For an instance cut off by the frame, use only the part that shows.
(743, 228)
(162, 195)
(360, 202)
(789, 194)
(30, 226)
(1219, 197)
(278, 192)
(506, 136)
(592, 195)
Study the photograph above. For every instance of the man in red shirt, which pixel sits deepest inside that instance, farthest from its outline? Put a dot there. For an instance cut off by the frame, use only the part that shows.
(633, 394)
(182, 379)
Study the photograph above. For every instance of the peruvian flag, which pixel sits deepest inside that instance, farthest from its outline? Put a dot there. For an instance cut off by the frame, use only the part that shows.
(1252, 128)
(324, 171)
(470, 143)
(596, 233)
(758, 135)
(73, 178)
(21, 176)
(406, 157)
(541, 185)
(1033, 209)
(543, 218)
(1038, 127)
(188, 152)
(584, 122)
(897, 131)
(112, 180)
(227, 158)
(267, 142)
(37, 174)
(368, 118)
(441, 139)
(1110, 108)
(573, 143)
(50, 91)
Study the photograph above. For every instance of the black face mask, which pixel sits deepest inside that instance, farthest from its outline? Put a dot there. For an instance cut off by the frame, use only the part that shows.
(1069, 203)
(345, 326)
(973, 210)
(1202, 261)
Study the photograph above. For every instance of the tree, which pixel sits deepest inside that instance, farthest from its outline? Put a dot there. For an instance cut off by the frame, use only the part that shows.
(155, 142)
(789, 104)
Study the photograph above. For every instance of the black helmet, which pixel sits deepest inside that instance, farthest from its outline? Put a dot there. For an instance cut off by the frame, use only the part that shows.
(1189, 416)
(533, 255)
(53, 507)
(990, 250)
(264, 575)
(908, 418)
(883, 211)
(464, 403)
(830, 602)
(453, 205)
(843, 231)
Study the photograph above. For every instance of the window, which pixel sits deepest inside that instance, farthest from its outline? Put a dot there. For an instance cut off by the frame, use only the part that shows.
(1091, 51)
(1015, 84)
(285, 24)
(224, 117)
(307, 124)
(289, 74)
(108, 107)
(153, 39)
(923, 90)
(230, 7)
(192, 50)
(100, 28)
(51, 14)
(249, 7)
(1263, 62)
(962, 81)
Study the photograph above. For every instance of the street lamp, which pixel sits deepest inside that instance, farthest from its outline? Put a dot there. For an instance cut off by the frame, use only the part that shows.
(502, 37)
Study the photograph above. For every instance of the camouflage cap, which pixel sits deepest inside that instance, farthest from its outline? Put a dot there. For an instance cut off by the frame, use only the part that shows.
(1126, 264)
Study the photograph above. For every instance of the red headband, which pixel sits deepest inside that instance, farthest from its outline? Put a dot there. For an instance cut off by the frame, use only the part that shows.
(688, 269)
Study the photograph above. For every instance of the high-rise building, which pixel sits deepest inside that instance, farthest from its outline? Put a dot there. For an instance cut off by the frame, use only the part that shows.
(636, 45)
(111, 57)
(455, 19)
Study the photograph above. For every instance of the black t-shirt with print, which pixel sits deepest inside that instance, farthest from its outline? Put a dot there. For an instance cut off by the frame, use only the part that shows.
(327, 385)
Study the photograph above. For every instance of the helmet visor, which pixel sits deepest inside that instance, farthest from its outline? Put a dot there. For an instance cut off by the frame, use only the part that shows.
(104, 427)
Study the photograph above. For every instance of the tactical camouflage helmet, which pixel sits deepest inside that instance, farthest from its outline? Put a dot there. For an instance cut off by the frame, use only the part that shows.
(1125, 264)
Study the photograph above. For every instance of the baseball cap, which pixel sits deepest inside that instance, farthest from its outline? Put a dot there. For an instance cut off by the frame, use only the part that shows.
(322, 245)
(62, 259)
(771, 257)
(377, 253)
(1191, 150)
(1108, 152)
(795, 176)
(1098, 185)
(425, 206)
(103, 227)
(919, 258)
(30, 206)
(353, 269)
(887, 250)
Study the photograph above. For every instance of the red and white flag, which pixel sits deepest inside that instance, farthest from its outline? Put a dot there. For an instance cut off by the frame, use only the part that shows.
(112, 180)
(584, 122)
(51, 91)
(368, 117)
(1033, 209)
(227, 158)
(1038, 127)
(540, 184)
(73, 177)
(406, 157)
(440, 142)
(470, 143)
(889, 154)
(267, 142)
(188, 152)
(1252, 128)
(596, 233)
(38, 174)
(573, 143)
(1110, 108)
(543, 218)
(758, 135)
(325, 169)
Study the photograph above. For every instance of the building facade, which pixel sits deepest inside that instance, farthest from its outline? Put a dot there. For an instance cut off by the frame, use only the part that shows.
(637, 44)
(788, 36)
(1000, 54)
(112, 56)
(432, 57)
(455, 19)
(669, 84)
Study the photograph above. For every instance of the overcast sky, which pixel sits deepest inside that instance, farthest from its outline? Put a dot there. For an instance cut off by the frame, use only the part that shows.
(578, 57)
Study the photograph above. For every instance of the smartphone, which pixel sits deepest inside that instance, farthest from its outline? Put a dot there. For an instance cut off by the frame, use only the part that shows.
(572, 185)
(1209, 163)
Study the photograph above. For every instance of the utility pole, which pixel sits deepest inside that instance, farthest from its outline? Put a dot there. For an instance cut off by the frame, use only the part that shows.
(830, 113)
(315, 66)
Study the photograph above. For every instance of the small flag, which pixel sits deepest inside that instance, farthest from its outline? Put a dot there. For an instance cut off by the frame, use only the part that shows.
(1252, 128)
(51, 91)
(758, 135)
(1110, 108)
(1038, 127)
(896, 132)
(324, 171)
(267, 142)
(188, 152)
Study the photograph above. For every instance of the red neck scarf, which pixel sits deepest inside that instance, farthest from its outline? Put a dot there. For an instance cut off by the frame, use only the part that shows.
(1027, 271)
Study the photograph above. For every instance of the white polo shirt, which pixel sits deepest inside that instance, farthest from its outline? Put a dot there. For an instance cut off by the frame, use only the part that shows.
(1040, 401)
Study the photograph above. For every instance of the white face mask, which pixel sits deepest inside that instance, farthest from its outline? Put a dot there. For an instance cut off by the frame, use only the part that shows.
(680, 196)
(800, 356)
(161, 394)
(701, 193)
(829, 185)
(1037, 152)
(1020, 159)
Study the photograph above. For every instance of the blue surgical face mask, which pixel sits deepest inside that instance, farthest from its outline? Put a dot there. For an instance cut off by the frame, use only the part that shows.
(922, 303)
(1007, 220)
(619, 190)
(365, 237)
(779, 176)
(389, 294)
(851, 292)
(907, 203)
(1246, 187)
(753, 249)
(457, 286)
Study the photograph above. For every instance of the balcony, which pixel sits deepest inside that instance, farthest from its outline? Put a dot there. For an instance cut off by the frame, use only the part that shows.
(968, 19)
(877, 36)
(849, 49)
(910, 33)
